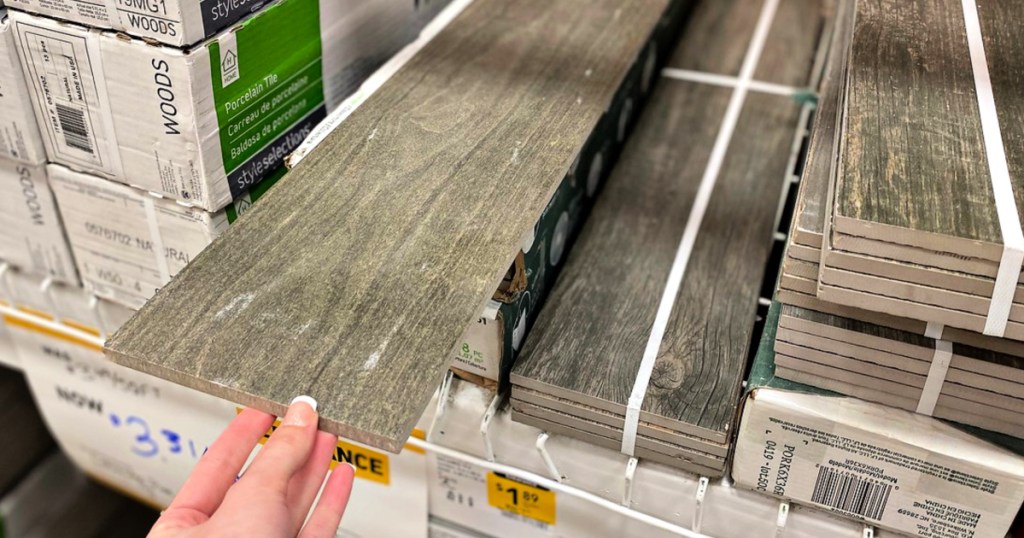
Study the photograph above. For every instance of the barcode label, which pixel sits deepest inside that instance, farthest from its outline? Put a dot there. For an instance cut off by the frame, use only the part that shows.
(850, 493)
(76, 132)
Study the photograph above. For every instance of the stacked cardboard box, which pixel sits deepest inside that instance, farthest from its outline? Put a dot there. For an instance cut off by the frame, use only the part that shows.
(154, 148)
(205, 123)
(32, 239)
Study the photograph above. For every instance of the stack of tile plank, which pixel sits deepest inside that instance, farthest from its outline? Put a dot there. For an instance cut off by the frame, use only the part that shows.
(913, 226)
(895, 215)
(669, 266)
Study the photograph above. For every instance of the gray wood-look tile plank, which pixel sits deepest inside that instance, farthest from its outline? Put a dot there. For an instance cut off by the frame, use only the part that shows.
(590, 337)
(719, 31)
(900, 399)
(913, 139)
(915, 171)
(715, 38)
(608, 442)
(645, 429)
(703, 356)
(900, 356)
(799, 30)
(589, 341)
(354, 277)
(812, 197)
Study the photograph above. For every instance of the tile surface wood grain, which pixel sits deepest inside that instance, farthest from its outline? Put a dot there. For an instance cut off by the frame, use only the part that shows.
(913, 152)
(579, 366)
(589, 340)
(913, 227)
(798, 285)
(354, 277)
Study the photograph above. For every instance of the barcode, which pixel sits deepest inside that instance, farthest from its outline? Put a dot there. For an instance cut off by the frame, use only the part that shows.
(850, 493)
(76, 133)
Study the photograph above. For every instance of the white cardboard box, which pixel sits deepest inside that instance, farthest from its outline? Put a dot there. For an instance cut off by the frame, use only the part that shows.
(173, 22)
(128, 243)
(31, 234)
(890, 468)
(20, 139)
(203, 125)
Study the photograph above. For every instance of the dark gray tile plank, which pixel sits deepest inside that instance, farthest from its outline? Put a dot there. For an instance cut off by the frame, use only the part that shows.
(601, 313)
(716, 37)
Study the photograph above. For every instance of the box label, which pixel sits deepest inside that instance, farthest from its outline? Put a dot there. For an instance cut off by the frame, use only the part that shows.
(521, 498)
(268, 89)
(61, 76)
(870, 477)
(481, 348)
(19, 134)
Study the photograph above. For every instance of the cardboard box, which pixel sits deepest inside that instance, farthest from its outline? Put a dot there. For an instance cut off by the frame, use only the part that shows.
(20, 139)
(32, 237)
(179, 23)
(203, 125)
(128, 243)
(887, 467)
(172, 22)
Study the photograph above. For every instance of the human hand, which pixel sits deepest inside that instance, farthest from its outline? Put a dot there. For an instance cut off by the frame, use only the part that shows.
(275, 494)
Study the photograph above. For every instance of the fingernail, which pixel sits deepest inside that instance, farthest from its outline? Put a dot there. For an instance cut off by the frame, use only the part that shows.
(354, 469)
(300, 415)
(308, 399)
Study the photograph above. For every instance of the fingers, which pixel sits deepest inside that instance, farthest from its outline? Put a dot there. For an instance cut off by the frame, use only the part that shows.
(327, 514)
(217, 470)
(287, 450)
(305, 485)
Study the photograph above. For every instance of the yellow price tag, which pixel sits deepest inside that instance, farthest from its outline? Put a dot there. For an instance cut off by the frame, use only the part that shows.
(519, 498)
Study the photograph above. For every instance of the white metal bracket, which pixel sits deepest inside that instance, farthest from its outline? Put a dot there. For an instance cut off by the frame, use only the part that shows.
(698, 508)
(782, 519)
(627, 494)
(485, 427)
(542, 448)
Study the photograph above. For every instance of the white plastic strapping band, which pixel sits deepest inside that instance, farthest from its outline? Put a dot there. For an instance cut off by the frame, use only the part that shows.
(1002, 188)
(693, 223)
(934, 330)
(936, 377)
(158, 240)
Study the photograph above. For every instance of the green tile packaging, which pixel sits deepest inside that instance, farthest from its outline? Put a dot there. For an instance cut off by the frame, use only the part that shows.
(19, 134)
(32, 237)
(203, 125)
(128, 243)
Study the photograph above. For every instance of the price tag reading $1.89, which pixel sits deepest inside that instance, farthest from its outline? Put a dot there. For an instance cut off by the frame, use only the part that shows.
(520, 498)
